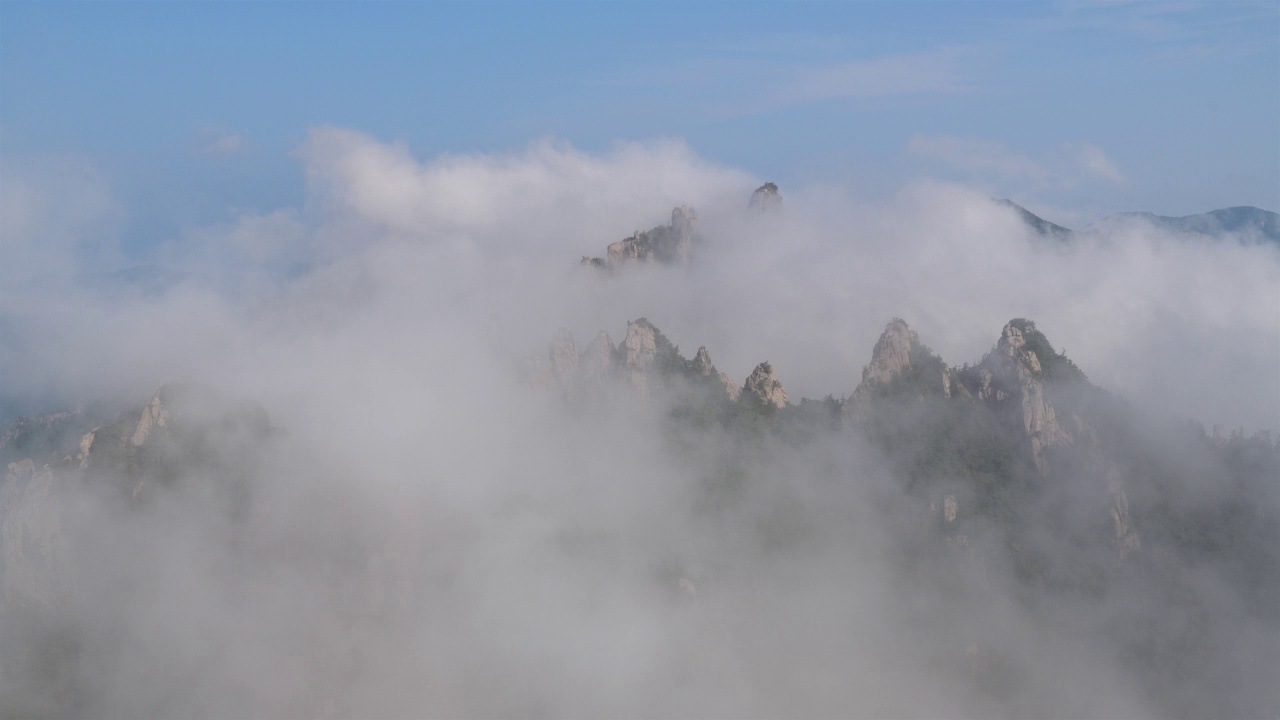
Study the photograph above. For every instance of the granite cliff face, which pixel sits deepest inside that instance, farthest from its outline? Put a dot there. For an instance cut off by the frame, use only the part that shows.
(1011, 381)
(892, 354)
(899, 363)
(763, 386)
(1011, 392)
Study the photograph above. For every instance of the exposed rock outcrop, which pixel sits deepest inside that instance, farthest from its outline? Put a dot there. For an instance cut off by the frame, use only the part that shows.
(701, 365)
(765, 198)
(665, 244)
(765, 387)
(1010, 382)
(899, 361)
(155, 415)
(639, 349)
(892, 353)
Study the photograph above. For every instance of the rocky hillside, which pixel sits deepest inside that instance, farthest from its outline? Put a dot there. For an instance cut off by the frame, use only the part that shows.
(664, 244)
(1010, 477)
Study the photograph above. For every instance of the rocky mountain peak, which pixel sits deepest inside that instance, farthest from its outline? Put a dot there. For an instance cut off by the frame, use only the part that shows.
(765, 387)
(766, 197)
(892, 353)
(1010, 380)
(1013, 343)
(900, 363)
(701, 362)
(640, 346)
(639, 350)
(665, 244)
(155, 415)
(701, 365)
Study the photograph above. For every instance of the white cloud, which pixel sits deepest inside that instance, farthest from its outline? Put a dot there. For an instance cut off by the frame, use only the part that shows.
(572, 193)
(489, 531)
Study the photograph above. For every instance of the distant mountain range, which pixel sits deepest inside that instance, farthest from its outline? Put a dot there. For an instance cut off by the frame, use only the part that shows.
(1246, 222)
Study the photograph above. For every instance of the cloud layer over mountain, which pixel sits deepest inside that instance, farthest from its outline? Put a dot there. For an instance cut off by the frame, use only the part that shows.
(437, 537)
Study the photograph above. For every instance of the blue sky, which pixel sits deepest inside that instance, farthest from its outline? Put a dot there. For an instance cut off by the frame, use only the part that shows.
(190, 111)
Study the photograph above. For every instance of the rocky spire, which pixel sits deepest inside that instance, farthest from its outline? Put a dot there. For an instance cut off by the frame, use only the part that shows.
(155, 415)
(764, 386)
(639, 349)
(892, 353)
(897, 353)
(765, 198)
(701, 364)
(1010, 380)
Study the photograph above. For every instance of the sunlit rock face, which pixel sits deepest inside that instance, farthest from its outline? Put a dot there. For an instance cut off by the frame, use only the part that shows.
(900, 364)
(671, 244)
(639, 349)
(764, 386)
(1014, 392)
(892, 353)
(1012, 382)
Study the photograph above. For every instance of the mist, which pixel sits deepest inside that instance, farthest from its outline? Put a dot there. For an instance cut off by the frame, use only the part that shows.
(418, 529)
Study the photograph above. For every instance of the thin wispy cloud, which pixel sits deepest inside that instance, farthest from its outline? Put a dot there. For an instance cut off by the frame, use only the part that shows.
(214, 141)
(976, 155)
(915, 74)
(1176, 33)
(1096, 163)
(992, 163)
